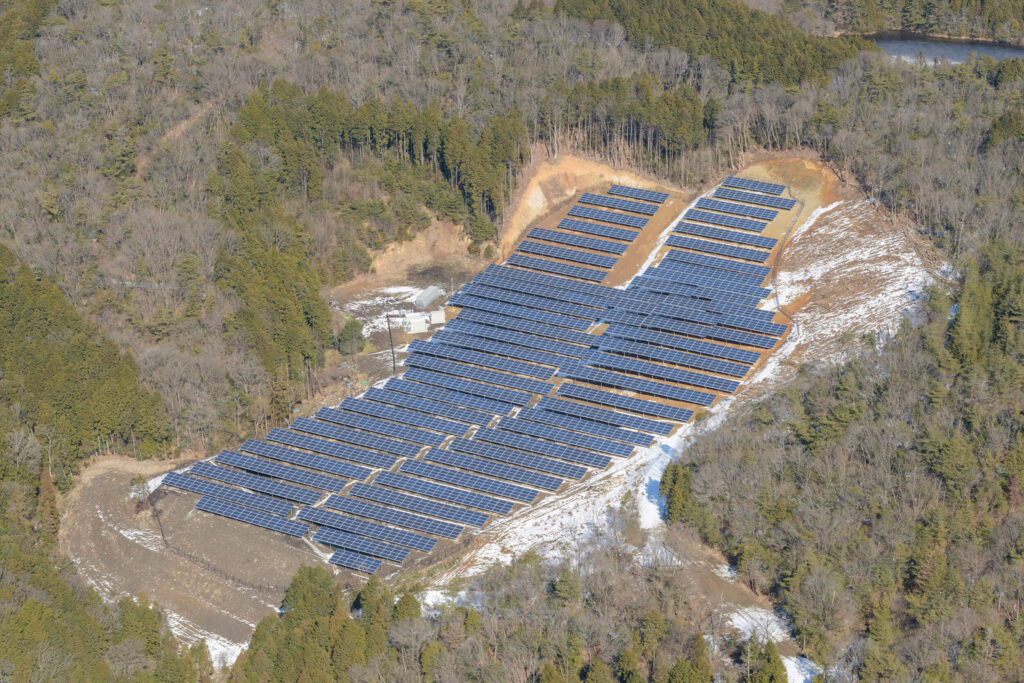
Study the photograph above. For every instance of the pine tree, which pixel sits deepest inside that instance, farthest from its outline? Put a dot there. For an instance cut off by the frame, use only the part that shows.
(407, 607)
(550, 674)
(598, 672)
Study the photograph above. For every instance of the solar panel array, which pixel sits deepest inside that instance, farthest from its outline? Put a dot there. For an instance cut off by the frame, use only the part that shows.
(410, 464)
(754, 185)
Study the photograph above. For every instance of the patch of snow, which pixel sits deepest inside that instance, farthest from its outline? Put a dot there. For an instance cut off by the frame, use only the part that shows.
(759, 622)
(800, 669)
(147, 539)
(726, 572)
(223, 652)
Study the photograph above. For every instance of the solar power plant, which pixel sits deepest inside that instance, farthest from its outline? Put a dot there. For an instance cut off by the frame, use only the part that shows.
(308, 460)
(676, 271)
(576, 424)
(663, 355)
(717, 248)
(649, 387)
(687, 310)
(255, 483)
(331, 448)
(554, 281)
(377, 426)
(577, 241)
(469, 481)
(349, 560)
(510, 350)
(682, 261)
(693, 303)
(228, 493)
(556, 267)
(526, 326)
(661, 324)
(597, 229)
(500, 308)
(531, 444)
(633, 405)
(445, 493)
(369, 529)
(250, 516)
(455, 398)
(508, 337)
(725, 235)
(428, 406)
(603, 415)
(544, 290)
(567, 254)
(396, 517)
(490, 376)
(754, 185)
(719, 263)
(637, 193)
(757, 212)
(754, 198)
(668, 286)
(610, 361)
(531, 301)
(742, 322)
(417, 504)
(608, 216)
(724, 220)
(381, 443)
(403, 416)
(493, 469)
(514, 457)
(486, 360)
(277, 470)
(464, 386)
(616, 203)
(683, 343)
(362, 545)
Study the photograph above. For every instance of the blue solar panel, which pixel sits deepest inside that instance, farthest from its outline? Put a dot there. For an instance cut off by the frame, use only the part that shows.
(682, 343)
(255, 483)
(689, 360)
(725, 235)
(456, 398)
(350, 560)
(493, 469)
(682, 262)
(275, 469)
(400, 448)
(511, 338)
(404, 416)
(637, 193)
(460, 386)
(519, 298)
(578, 424)
(468, 301)
(550, 433)
(250, 516)
(597, 229)
(668, 286)
(514, 457)
(610, 361)
(466, 480)
(428, 406)
(533, 445)
(360, 544)
(376, 426)
(757, 212)
(567, 254)
(313, 462)
(754, 185)
(509, 350)
(687, 310)
(490, 376)
(676, 271)
(607, 216)
(417, 504)
(445, 493)
(331, 448)
(369, 529)
(750, 324)
(604, 415)
(540, 289)
(707, 247)
(556, 267)
(642, 386)
(633, 405)
(668, 306)
(228, 493)
(527, 327)
(553, 281)
(725, 220)
(577, 241)
(719, 263)
(390, 516)
(754, 198)
(482, 358)
(615, 203)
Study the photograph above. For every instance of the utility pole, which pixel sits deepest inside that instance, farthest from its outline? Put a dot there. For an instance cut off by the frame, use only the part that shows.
(391, 342)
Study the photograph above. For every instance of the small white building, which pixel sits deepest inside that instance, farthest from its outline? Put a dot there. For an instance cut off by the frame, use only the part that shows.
(415, 323)
(427, 297)
(437, 317)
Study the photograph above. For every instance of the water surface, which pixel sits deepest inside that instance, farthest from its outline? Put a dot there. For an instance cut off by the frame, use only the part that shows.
(909, 49)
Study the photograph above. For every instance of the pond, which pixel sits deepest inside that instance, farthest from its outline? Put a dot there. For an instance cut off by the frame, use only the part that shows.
(910, 48)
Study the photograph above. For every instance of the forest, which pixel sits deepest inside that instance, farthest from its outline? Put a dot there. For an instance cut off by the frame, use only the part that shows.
(184, 180)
